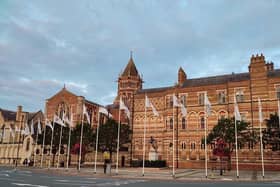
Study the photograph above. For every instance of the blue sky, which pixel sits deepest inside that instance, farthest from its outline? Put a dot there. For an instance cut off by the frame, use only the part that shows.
(86, 44)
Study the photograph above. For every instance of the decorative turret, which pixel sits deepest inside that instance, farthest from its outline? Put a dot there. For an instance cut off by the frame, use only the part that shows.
(129, 82)
(257, 63)
(182, 77)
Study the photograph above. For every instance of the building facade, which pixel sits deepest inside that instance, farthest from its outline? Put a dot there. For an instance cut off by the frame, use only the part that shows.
(69, 103)
(15, 144)
(261, 81)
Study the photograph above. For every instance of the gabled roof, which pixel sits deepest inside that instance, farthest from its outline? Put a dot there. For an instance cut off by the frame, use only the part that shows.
(130, 69)
(32, 115)
(61, 91)
(8, 115)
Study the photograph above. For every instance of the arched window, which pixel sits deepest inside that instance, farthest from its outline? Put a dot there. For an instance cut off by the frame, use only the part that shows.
(183, 145)
(171, 123)
(192, 146)
(27, 144)
(183, 123)
(202, 123)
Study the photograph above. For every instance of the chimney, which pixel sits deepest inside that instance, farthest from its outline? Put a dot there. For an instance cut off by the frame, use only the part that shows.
(19, 112)
(182, 77)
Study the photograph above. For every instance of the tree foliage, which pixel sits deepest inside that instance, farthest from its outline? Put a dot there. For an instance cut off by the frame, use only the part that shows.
(224, 133)
(108, 135)
(88, 137)
(271, 135)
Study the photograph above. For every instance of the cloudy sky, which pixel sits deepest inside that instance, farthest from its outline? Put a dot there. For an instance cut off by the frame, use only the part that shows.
(86, 44)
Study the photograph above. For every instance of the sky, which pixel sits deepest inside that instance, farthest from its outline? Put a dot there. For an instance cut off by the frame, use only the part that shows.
(86, 44)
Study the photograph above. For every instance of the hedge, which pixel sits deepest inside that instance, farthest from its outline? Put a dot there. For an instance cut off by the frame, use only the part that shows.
(149, 163)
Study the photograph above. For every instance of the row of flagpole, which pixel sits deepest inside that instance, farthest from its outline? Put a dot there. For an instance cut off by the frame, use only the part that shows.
(122, 106)
(207, 108)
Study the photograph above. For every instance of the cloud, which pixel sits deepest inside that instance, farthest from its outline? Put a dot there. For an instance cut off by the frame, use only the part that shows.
(86, 44)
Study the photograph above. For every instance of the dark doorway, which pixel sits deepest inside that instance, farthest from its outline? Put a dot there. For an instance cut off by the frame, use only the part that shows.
(123, 161)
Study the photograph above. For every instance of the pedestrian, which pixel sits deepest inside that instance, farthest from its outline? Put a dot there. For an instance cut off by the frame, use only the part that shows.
(106, 157)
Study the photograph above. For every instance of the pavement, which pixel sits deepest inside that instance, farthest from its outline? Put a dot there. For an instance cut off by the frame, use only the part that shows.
(164, 174)
(35, 177)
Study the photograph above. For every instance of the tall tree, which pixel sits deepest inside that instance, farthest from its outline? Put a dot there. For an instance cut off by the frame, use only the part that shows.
(108, 136)
(223, 135)
(88, 137)
(271, 135)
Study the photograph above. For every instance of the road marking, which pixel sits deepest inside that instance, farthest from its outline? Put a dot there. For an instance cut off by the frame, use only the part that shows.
(32, 185)
(74, 181)
(13, 180)
(118, 183)
(4, 174)
(71, 184)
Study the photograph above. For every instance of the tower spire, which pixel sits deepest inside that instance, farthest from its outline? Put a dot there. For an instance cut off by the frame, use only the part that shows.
(131, 54)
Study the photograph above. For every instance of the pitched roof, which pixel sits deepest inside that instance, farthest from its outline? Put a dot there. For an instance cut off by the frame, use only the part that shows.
(275, 73)
(151, 90)
(214, 80)
(8, 115)
(130, 69)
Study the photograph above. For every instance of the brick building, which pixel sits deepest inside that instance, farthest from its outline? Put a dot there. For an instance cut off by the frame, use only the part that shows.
(14, 144)
(68, 102)
(261, 80)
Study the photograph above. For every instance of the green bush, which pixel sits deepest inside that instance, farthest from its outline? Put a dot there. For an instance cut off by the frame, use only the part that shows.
(149, 163)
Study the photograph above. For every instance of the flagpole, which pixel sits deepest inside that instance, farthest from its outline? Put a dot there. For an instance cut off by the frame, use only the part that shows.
(68, 151)
(118, 143)
(81, 141)
(51, 153)
(69, 140)
(36, 146)
(96, 142)
(18, 143)
(205, 137)
(14, 142)
(43, 146)
(173, 140)
(260, 121)
(144, 139)
(279, 112)
(236, 149)
(57, 165)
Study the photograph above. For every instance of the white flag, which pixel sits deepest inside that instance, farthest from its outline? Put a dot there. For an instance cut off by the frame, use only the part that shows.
(48, 124)
(57, 120)
(183, 110)
(66, 119)
(207, 105)
(17, 129)
(260, 111)
(105, 111)
(236, 111)
(39, 127)
(86, 113)
(12, 131)
(26, 129)
(149, 104)
(32, 127)
(175, 101)
(123, 107)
